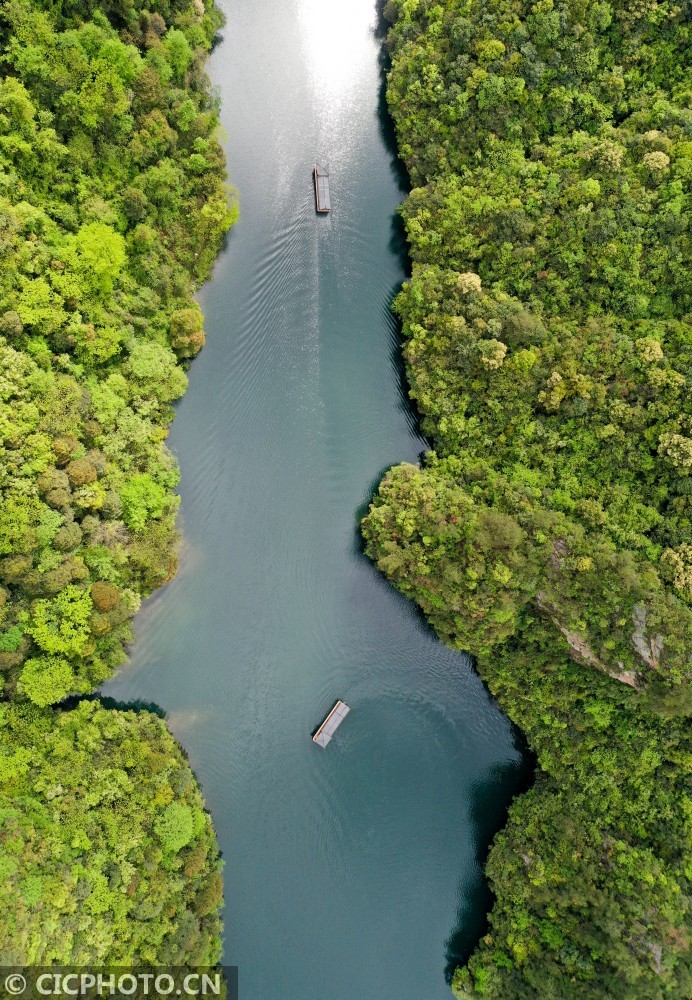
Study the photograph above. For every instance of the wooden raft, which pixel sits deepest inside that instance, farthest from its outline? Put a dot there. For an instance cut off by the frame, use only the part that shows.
(330, 725)
(322, 199)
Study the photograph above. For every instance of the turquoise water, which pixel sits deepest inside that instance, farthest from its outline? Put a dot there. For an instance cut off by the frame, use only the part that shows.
(352, 871)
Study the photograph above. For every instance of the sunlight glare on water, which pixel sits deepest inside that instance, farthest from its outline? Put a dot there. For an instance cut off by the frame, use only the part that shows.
(336, 39)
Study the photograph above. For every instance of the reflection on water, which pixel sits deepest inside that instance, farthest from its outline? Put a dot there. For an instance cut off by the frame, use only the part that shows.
(336, 51)
(347, 869)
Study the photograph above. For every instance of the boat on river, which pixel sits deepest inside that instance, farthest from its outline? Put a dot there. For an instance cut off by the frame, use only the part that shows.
(330, 725)
(322, 200)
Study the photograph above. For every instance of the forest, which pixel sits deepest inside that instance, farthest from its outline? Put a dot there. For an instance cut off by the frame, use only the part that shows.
(548, 530)
(113, 205)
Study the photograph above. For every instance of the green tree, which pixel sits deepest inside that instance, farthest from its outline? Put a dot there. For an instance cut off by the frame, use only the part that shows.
(100, 257)
(47, 679)
(61, 625)
(174, 827)
(142, 499)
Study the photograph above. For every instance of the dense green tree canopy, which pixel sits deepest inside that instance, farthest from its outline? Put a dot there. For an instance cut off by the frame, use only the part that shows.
(112, 215)
(113, 205)
(107, 852)
(549, 530)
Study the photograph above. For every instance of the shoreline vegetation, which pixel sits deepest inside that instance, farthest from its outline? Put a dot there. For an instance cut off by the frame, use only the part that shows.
(547, 343)
(113, 207)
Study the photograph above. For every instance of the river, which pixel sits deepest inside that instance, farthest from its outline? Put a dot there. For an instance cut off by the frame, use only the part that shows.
(353, 872)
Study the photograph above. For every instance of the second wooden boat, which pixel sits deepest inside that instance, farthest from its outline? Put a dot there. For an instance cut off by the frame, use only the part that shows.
(322, 199)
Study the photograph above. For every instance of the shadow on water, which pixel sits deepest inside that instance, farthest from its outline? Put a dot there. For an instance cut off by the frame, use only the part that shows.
(386, 123)
(490, 802)
(398, 363)
(219, 37)
(135, 705)
(398, 245)
(138, 705)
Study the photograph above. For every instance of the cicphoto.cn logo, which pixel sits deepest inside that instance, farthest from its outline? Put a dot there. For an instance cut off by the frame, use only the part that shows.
(221, 982)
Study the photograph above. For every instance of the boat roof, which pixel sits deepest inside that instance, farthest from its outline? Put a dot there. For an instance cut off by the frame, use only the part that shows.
(331, 723)
(322, 188)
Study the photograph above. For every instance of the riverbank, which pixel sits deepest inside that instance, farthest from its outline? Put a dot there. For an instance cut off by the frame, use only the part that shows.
(115, 205)
(547, 533)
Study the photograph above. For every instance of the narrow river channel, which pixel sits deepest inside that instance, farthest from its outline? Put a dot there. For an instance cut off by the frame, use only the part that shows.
(352, 872)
